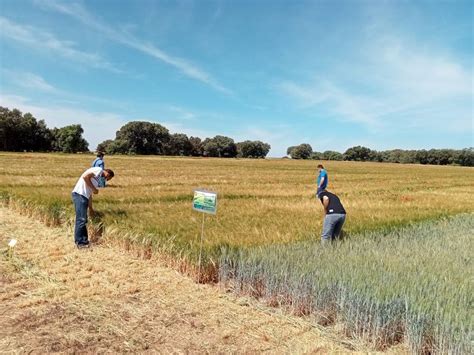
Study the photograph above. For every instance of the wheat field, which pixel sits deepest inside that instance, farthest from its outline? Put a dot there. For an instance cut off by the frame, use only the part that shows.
(260, 202)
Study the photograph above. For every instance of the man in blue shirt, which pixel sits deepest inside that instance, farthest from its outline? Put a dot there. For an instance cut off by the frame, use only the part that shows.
(99, 163)
(322, 181)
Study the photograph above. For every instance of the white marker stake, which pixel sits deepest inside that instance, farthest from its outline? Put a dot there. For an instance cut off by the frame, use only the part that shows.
(11, 245)
(200, 248)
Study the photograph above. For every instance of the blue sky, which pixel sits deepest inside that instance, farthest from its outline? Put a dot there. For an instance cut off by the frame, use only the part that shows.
(334, 74)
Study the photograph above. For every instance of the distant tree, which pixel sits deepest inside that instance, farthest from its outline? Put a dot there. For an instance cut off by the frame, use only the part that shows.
(69, 139)
(43, 137)
(359, 153)
(143, 137)
(290, 149)
(197, 149)
(466, 157)
(302, 151)
(23, 132)
(118, 146)
(332, 155)
(421, 157)
(105, 146)
(179, 144)
(316, 156)
(219, 146)
(253, 149)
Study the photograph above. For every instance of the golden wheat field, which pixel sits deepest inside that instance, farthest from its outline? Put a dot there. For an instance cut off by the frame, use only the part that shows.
(259, 201)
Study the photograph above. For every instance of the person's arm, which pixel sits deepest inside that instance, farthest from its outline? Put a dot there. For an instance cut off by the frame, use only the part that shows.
(325, 202)
(322, 181)
(89, 183)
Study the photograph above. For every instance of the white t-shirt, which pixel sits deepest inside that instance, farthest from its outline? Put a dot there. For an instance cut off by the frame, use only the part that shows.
(81, 187)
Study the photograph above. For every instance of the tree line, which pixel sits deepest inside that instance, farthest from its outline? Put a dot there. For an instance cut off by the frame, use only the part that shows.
(23, 132)
(139, 137)
(20, 132)
(463, 157)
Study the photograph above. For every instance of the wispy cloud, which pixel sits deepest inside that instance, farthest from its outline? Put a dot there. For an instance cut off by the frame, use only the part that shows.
(327, 95)
(182, 113)
(36, 84)
(47, 42)
(29, 81)
(80, 13)
(395, 86)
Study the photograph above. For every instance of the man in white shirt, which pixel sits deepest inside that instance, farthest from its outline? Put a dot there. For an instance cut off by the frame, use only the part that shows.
(87, 185)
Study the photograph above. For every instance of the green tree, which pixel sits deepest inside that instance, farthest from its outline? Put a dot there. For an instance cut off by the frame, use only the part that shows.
(69, 139)
(105, 146)
(302, 151)
(141, 137)
(197, 149)
(20, 132)
(359, 153)
(332, 155)
(219, 146)
(466, 157)
(253, 149)
(179, 144)
(290, 149)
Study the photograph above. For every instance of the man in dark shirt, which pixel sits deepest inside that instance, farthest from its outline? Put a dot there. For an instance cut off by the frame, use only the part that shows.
(335, 216)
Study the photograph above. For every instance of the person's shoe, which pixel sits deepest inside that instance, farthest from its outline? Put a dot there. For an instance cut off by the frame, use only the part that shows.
(83, 246)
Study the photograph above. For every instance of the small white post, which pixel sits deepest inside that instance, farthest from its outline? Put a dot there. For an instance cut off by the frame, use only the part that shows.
(200, 248)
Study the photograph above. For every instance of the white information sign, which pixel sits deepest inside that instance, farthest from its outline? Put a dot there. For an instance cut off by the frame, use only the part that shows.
(205, 201)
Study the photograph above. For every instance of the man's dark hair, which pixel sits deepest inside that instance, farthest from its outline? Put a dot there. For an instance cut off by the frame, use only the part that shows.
(100, 154)
(110, 172)
(320, 166)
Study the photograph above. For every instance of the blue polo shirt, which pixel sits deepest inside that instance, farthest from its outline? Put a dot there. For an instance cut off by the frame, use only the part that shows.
(322, 174)
(98, 163)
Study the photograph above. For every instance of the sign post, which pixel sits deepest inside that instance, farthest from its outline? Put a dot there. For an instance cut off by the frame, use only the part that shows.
(204, 202)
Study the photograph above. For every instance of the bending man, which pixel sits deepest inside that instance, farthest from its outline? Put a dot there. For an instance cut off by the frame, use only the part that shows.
(87, 185)
(335, 216)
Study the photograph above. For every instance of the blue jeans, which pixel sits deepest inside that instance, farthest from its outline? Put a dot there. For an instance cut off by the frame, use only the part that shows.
(80, 229)
(320, 189)
(332, 226)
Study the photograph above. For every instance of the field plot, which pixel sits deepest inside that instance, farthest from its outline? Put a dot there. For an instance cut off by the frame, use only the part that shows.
(404, 273)
(411, 285)
(261, 202)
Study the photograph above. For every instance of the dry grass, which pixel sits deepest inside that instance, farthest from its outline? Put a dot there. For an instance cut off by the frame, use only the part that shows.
(57, 299)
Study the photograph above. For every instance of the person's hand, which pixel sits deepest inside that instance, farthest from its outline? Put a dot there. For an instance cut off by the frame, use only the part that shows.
(91, 212)
(95, 191)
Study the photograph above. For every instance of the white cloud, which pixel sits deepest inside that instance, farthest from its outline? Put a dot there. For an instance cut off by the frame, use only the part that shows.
(187, 68)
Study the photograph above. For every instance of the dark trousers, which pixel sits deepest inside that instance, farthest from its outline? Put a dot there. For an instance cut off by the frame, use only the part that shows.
(80, 229)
